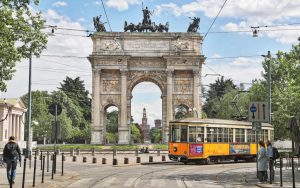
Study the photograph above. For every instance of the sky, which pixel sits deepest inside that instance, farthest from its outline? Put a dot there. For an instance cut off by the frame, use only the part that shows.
(229, 46)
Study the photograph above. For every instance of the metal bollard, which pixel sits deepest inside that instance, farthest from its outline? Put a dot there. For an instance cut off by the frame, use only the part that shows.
(270, 162)
(41, 158)
(136, 152)
(84, 159)
(138, 159)
(54, 162)
(52, 175)
(94, 160)
(47, 161)
(71, 152)
(280, 172)
(293, 172)
(62, 163)
(115, 162)
(103, 160)
(74, 158)
(43, 169)
(126, 160)
(24, 172)
(150, 159)
(34, 171)
(163, 158)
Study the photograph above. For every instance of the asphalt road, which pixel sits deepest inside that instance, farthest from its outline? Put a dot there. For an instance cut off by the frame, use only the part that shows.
(161, 175)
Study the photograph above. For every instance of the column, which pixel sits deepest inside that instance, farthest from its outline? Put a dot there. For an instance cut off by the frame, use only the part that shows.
(17, 128)
(196, 96)
(164, 115)
(22, 128)
(124, 136)
(169, 103)
(12, 125)
(96, 129)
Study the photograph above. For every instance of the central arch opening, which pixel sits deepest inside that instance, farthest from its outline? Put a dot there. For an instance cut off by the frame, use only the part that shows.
(146, 112)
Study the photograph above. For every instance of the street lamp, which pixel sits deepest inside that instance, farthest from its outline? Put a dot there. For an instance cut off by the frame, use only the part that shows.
(268, 59)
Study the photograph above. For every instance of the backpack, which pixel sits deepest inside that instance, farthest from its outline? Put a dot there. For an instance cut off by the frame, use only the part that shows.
(276, 154)
(11, 150)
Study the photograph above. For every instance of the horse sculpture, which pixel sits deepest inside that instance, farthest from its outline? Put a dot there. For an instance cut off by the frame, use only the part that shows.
(99, 26)
(131, 27)
(193, 27)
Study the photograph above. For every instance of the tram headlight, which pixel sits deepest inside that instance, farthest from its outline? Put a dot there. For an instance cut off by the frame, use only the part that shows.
(175, 149)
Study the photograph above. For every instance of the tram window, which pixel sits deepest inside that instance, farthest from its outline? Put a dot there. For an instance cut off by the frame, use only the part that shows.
(183, 134)
(239, 135)
(212, 134)
(175, 133)
(230, 135)
(265, 132)
(272, 135)
(220, 134)
(250, 135)
(192, 134)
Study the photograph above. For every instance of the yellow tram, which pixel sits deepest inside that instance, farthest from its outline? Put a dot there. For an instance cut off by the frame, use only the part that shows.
(206, 140)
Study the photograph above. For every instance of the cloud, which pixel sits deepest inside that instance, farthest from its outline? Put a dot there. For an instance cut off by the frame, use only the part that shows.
(240, 70)
(48, 72)
(244, 14)
(59, 4)
(122, 4)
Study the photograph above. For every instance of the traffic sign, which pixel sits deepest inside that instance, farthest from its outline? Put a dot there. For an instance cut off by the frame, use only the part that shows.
(52, 107)
(258, 111)
(256, 126)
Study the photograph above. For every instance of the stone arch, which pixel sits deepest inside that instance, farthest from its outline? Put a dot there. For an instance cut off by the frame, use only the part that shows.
(145, 78)
(105, 120)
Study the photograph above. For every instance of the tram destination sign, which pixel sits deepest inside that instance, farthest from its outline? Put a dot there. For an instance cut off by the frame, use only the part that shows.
(258, 112)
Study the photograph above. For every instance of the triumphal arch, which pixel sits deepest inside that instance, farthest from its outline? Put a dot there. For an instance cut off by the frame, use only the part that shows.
(121, 60)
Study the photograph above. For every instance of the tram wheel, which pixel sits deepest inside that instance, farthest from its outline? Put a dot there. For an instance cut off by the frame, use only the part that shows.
(207, 161)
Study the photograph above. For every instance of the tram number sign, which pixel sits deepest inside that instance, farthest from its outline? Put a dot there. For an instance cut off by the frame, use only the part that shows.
(256, 126)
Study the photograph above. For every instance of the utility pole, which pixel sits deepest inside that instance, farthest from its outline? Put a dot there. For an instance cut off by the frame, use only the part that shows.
(29, 140)
(269, 86)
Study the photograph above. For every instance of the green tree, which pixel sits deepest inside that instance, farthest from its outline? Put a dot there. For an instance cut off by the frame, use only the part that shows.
(111, 135)
(214, 94)
(75, 90)
(135, 133)
(21, 35)
(155, 135)
(181, 112)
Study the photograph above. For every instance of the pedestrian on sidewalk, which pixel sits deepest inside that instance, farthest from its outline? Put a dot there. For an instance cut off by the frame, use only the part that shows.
(262, 162)
(11, 155)
(270, 159)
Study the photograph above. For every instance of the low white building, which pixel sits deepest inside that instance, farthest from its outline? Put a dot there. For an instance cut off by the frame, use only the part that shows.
(12, 117)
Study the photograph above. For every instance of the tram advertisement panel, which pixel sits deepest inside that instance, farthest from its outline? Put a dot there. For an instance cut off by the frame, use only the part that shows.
(239, 149)
(196, 149)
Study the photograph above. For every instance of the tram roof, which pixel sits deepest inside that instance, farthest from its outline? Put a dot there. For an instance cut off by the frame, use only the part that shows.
(216, 121)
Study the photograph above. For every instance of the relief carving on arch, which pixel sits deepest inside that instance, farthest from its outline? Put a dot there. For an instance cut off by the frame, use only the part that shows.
(146, 63)
(182, 44)
(183, 99)
(161, 75)
(110, 45)
(111, 85)
(182, 86)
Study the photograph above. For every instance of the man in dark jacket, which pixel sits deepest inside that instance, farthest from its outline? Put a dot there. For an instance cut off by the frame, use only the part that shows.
(11, 155)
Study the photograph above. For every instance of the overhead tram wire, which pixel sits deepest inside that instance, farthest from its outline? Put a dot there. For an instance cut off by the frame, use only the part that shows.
(106, 15)
(214, 20)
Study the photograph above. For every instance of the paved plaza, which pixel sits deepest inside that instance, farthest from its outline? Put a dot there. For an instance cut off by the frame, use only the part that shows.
(158, 173)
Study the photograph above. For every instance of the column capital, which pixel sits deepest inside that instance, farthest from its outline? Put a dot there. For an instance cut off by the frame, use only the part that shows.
(124, 72)
(196, 72)
(97, 71)
(170, 72)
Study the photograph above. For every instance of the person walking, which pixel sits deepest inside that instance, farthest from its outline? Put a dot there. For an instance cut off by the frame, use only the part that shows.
(262, 162)
(11, 155)
(270, 159)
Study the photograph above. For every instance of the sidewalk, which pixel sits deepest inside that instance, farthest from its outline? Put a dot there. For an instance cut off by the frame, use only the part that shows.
(48, 182)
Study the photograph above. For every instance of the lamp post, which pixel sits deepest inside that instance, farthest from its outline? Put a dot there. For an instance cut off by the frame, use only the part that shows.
(268, 58)
(29, 139)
